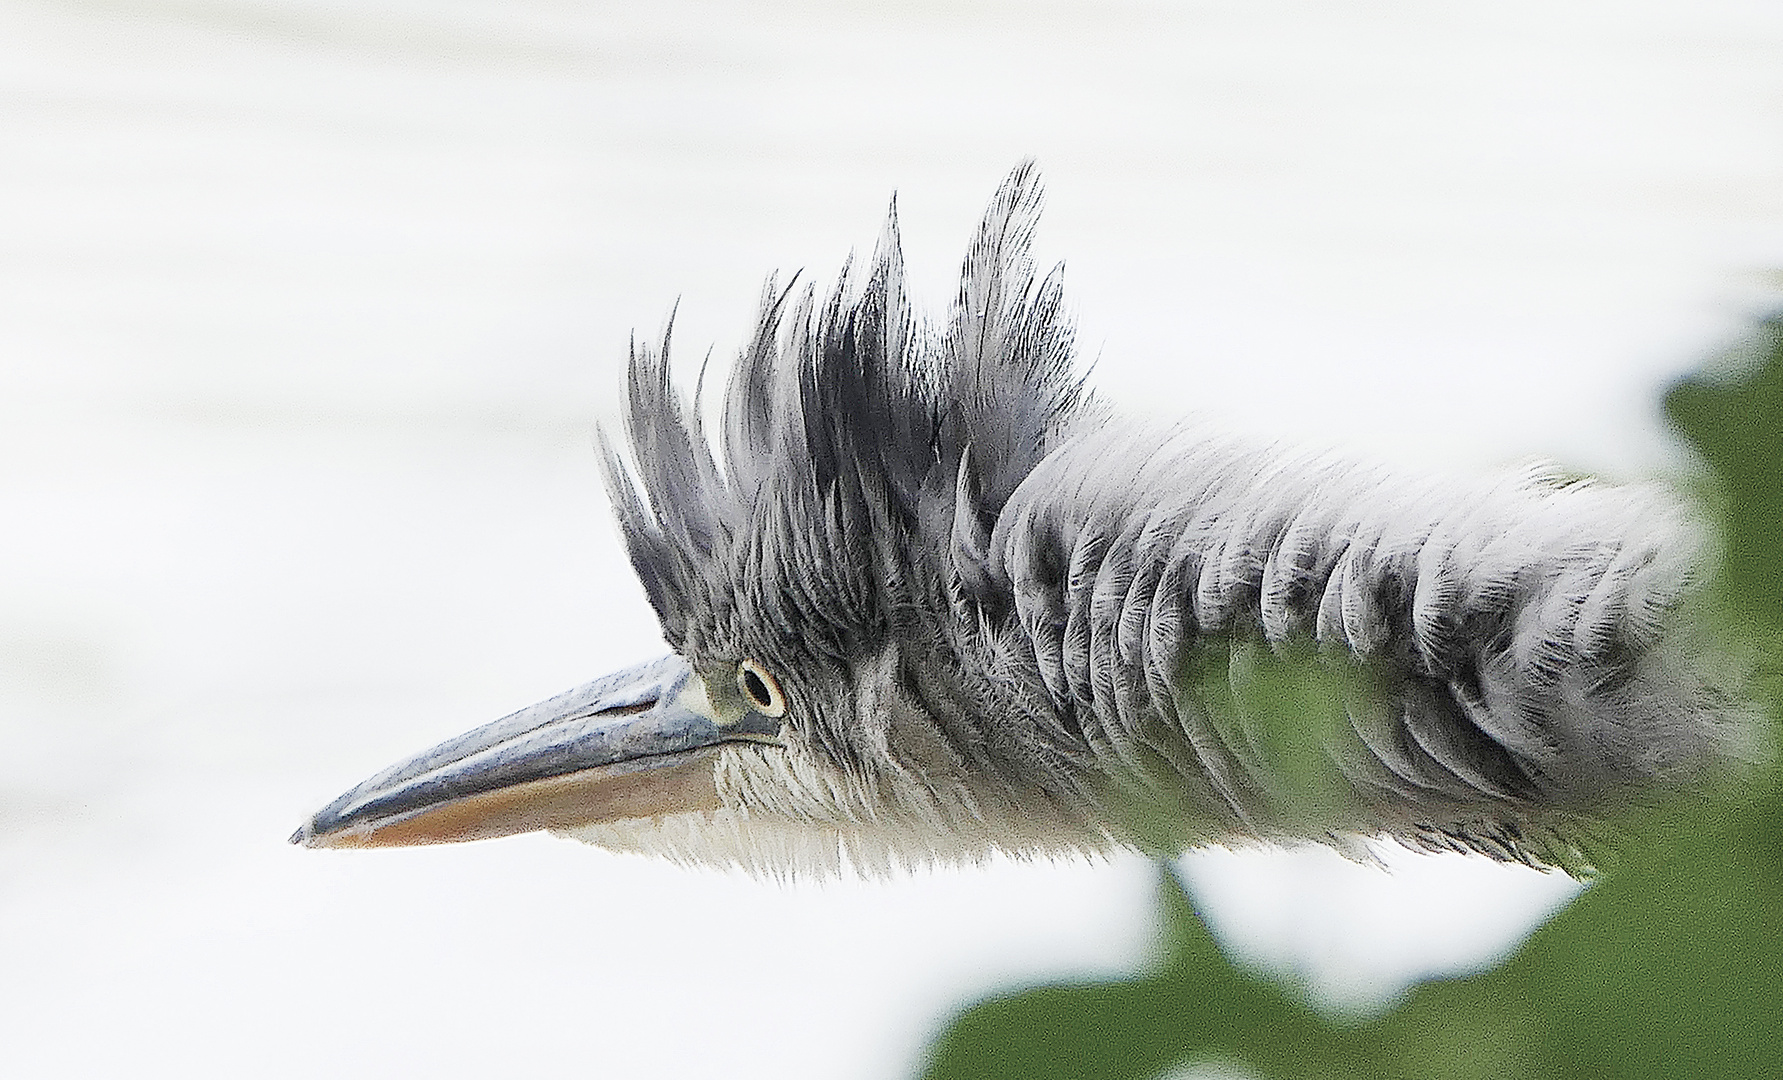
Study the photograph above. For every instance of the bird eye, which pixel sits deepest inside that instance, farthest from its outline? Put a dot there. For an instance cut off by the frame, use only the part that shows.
(761, 689)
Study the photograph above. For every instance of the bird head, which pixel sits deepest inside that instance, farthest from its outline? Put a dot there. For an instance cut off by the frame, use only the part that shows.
(926, 603)
(848, 683)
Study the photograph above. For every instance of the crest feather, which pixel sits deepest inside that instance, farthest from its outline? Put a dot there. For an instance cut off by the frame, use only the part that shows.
(864, 453)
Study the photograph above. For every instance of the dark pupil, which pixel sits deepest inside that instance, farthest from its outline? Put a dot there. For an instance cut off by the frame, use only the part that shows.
(757, 690)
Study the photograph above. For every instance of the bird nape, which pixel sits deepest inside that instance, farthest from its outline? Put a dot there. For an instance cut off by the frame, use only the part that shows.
(928, 599)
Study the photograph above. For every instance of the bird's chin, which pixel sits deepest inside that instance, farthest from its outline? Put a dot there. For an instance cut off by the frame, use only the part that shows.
(775, 822)
(779, 848)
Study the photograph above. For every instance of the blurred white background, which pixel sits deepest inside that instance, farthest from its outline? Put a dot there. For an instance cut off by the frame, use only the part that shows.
(307, 311)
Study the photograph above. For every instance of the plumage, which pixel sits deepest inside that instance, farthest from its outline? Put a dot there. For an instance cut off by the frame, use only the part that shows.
(997, 616)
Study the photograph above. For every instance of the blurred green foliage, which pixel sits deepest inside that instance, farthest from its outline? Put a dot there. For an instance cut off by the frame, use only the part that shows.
(1670, 965)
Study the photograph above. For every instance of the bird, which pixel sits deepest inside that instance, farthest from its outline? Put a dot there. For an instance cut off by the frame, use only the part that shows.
(930, 599)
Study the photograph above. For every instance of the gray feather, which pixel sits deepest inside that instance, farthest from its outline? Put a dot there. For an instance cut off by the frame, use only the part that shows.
(987, 601)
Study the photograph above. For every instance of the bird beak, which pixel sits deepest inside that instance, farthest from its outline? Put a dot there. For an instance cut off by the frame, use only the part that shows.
(637, 744)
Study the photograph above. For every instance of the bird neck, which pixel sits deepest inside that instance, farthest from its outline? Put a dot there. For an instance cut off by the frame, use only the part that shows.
(1278, 638)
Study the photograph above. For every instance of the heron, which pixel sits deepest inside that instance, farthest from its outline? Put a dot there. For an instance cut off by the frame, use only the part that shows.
(929, 598)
